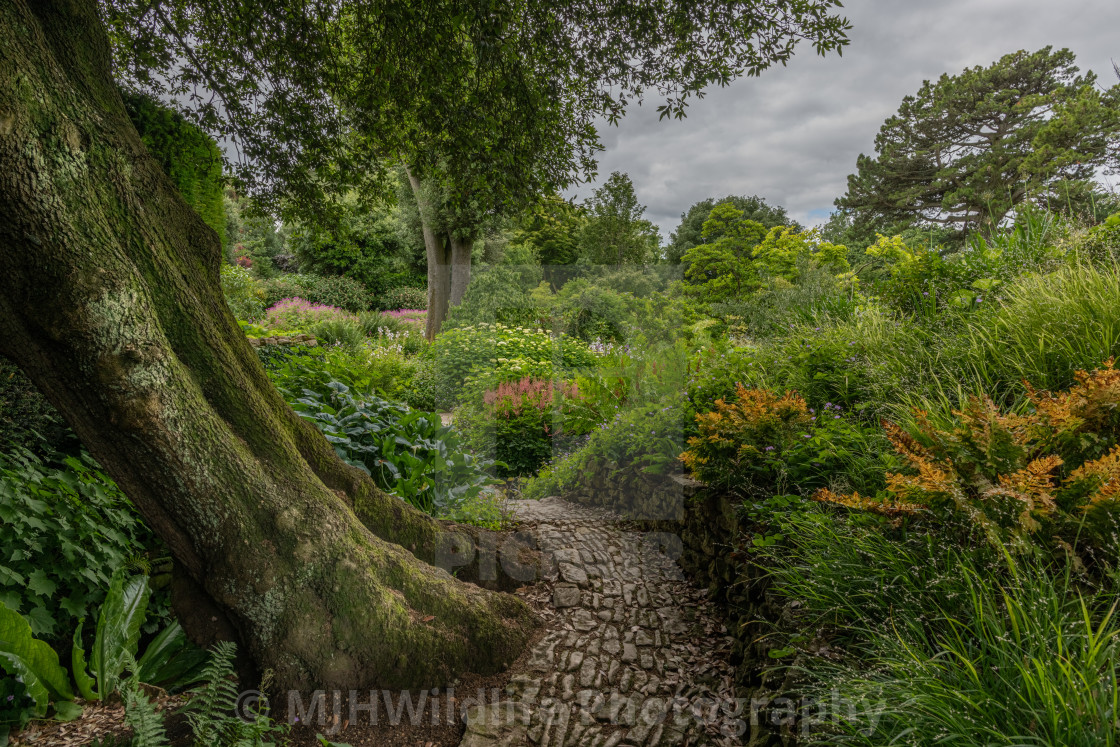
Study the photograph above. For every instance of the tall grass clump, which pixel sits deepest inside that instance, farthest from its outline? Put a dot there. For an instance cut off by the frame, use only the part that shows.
(1046, 328)
(1028, 662)
(932, 640)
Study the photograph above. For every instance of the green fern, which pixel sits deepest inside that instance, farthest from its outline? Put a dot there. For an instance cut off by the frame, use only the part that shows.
(211, 709)
(140, 713)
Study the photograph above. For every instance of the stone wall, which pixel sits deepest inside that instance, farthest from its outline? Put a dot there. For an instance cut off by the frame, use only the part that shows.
(716, 556)
(632, 494)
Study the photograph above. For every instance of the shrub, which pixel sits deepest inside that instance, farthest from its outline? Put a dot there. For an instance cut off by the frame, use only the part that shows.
(429, 390)
(594, 312)
(819, 298)
(498, 350)
(498, 294)
(343, 292)
(764, 443)
(404, 297)
(519, 423)
(65, 529)
(285, 262)
(245, 295)
(300, 314)
(1008, 473)
(1101, 243)
(641, 440)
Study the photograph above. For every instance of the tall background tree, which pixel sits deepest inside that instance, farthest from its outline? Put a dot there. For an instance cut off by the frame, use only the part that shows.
(969, 148)
(615, 232)
(689, 232)
(109, 282)
(551, 230)
(722, 267)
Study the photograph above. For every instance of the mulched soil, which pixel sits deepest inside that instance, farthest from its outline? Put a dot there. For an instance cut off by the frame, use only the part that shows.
(98, 720)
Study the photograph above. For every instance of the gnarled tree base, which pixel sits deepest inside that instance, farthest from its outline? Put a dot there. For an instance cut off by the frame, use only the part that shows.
(110, 302)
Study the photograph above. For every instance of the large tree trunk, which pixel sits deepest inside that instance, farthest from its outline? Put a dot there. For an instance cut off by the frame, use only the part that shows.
(110, 301)
(460, 269)
(438, 253)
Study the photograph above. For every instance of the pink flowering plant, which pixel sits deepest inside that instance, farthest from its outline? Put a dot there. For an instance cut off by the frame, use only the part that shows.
(520, 422)
(298, 313)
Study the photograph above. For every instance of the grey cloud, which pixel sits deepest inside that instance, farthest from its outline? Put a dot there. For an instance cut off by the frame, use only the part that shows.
(793, 135)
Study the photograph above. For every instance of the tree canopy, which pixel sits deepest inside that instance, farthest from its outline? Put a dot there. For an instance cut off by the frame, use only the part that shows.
(317, 98)
(967, 149)
(721, 268)
(188, 155)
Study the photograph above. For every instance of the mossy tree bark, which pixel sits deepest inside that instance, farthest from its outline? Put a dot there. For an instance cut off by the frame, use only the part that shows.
(110, 301)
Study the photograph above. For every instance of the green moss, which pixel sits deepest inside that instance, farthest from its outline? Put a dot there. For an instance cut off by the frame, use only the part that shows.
(187, 154)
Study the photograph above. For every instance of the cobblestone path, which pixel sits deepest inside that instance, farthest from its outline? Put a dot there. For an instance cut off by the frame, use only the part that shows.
(632, 654)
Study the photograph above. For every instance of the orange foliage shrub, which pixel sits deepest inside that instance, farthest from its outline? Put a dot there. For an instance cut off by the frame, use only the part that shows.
(1010, 473)
(736, 438)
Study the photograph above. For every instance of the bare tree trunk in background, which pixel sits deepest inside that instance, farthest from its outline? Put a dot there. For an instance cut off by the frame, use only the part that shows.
(110, 301)
(460, 269)
(438, 251)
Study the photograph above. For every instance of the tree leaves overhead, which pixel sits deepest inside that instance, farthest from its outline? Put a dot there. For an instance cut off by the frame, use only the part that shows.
(317, 96)
(968, 148)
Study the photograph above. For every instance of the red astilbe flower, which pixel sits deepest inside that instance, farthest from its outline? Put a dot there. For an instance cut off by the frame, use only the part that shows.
(510, 399)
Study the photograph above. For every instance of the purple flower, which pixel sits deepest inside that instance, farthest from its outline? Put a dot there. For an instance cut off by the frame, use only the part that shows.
(769, 448)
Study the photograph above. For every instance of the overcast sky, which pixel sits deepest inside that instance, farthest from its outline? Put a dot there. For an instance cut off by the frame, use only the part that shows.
(792, 135)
